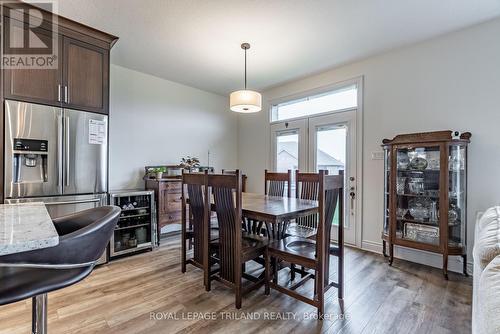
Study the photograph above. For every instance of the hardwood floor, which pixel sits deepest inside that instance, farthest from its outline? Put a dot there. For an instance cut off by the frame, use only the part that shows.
(142, 294)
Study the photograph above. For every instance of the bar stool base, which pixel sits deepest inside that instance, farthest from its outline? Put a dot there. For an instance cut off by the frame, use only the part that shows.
(39, 314)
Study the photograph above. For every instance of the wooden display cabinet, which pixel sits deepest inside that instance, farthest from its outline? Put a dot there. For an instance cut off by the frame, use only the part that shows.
(425, 194)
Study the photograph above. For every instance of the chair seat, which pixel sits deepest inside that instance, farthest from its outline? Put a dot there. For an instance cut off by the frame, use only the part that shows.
(21, 283)
(295, 230)
(302, 247)
(214, 233)
(251, 245)
(299, 246)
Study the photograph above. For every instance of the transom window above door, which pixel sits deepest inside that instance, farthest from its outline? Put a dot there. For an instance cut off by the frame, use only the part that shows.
(333, 100)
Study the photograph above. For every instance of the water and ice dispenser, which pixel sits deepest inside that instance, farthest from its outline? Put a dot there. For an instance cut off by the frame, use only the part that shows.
(30, 160)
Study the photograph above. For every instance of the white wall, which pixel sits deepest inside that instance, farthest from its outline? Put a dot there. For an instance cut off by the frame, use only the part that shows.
(155, 121)
(451, 82)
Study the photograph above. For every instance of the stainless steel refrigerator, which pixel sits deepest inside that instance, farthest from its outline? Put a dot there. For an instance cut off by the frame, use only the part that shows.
(56, 156)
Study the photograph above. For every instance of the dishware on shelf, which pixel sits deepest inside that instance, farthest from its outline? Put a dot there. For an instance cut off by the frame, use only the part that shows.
(401, 212)
(400, 185)
(432, 192)
(418, 163)
(403, 161)
(421, 233)
(433, 164)
(419, 208)
(452, 215)
(416, 185)
(433, 212)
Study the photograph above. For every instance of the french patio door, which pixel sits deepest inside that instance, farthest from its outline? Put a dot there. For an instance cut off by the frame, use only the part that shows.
(326, 142)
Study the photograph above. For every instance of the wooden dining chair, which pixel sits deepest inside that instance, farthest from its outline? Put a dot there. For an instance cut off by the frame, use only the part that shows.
(306, 187)
(243, 178)
(195, 222)
(234, 248)
(275, 183)
(313, 254)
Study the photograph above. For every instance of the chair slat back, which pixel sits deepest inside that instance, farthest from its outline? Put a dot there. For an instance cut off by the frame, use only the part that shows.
(307, 187)
(330, 199)
(195, 187)
(243, 177)
(226, 190)
(275, 183)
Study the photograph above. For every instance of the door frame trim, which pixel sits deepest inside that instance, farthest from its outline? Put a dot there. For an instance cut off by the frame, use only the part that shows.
(359, 82)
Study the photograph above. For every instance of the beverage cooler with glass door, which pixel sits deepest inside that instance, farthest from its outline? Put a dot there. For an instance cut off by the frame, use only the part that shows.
(136, 228)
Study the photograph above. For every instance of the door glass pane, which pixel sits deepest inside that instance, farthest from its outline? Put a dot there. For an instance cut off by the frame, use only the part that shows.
(456, 210)
(287, 154)
(331, 153)
(417, 194)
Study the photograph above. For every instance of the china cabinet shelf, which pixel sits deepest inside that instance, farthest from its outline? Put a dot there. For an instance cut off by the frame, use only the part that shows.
(417, 195)
(414, 221)
(425, 178)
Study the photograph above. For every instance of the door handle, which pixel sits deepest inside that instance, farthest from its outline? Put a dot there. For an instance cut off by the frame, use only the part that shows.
(66, 94)
(59, 93)
(352, 194)
(94, 200)
(59, 149)
(67, 150)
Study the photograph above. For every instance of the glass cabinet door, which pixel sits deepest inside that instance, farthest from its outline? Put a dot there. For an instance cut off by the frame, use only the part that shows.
(387, 178)
(456, 196)
(417, 194)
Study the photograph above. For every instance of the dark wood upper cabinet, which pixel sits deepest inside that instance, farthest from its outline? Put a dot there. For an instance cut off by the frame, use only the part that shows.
(34, 85)
(81, 79)
(86, 76)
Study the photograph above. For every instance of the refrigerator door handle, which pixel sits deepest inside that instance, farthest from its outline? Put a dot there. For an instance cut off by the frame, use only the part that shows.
(94, 200)
(66, 94)
(59, 149)
(67, 150)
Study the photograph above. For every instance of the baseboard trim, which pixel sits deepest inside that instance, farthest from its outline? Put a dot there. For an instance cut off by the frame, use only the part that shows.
(419, 256)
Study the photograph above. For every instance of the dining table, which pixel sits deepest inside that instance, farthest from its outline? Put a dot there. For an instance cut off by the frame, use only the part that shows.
(274, 212)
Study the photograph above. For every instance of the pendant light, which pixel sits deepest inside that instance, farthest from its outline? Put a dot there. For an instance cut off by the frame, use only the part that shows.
(245, 101)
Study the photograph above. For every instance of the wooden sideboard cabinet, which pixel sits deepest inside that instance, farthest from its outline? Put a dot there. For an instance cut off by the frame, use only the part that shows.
(168, 201)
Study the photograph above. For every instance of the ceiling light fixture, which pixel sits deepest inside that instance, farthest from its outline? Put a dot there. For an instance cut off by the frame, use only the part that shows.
(245, 101)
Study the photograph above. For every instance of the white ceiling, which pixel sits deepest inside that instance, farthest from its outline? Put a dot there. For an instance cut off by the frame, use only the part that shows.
(197, 42)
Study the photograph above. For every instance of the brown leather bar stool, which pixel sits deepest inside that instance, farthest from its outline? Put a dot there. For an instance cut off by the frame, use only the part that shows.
(83, 238)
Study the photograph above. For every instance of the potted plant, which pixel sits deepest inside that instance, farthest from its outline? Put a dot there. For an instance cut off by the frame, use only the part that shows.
(190, 163)
(159, 172)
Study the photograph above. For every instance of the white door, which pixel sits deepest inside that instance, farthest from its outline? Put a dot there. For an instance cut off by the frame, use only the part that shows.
(325, 142)
(332, 147)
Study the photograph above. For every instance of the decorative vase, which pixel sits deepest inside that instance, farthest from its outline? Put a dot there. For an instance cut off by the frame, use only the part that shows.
(159, 175)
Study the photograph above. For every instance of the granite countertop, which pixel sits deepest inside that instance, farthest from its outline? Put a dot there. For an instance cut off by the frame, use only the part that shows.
(25, 227)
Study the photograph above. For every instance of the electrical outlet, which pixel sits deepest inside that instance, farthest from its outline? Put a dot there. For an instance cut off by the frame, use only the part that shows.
(378, 155)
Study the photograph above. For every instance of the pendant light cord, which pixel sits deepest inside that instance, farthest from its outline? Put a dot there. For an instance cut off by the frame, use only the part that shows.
(245, 69)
